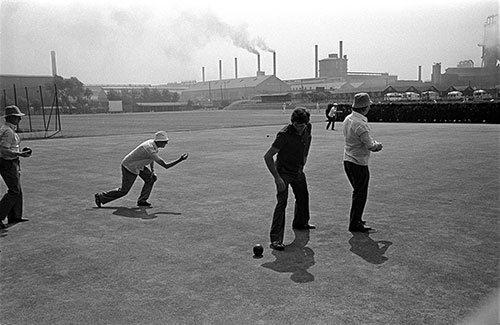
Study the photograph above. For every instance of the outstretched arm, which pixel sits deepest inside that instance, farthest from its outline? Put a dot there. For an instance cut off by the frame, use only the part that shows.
(168, 165)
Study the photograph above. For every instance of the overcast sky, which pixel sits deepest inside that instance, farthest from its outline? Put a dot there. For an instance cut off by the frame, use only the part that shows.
(145, 41)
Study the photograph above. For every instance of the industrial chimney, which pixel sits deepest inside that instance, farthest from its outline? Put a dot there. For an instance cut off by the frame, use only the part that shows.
(419, 73)
(258, 63)
(203, 74)
(235, 68)
(341, 49)
(220, 69)
(274, 64)
(54, 67)
(315, 61)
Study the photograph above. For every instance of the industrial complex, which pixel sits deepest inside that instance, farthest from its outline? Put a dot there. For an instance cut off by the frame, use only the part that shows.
(332, 77)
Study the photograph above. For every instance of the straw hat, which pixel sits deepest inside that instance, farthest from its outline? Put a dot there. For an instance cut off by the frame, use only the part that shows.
(361, 100)
(13, 110)
(161, 136)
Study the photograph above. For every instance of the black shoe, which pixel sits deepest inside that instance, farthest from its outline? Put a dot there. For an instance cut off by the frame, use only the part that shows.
(360, 228)
(17, 221)
(143, 204)
(277, 246)
(305, 227)
(97, 200)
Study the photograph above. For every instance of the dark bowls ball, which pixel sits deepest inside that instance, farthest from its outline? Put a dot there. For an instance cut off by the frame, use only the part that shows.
(258, 250)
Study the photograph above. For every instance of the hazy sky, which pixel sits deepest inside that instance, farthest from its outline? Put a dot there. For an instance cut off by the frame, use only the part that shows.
(145, 41)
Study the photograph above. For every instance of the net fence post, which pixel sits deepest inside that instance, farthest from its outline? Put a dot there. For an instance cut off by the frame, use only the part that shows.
(43, 109)
(28, 108)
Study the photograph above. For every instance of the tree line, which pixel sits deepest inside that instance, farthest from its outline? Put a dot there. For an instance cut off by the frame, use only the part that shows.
(74, 97)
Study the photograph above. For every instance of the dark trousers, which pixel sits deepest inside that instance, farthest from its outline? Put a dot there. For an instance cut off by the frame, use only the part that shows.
(301, 213)
(330, 122)
(11, 204)
(358, 176)
(128, 180)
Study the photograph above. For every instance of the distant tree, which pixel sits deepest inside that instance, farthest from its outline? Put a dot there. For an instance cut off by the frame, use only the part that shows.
(318, 96)
(145, 94)
(114, 95)
(155, 95)
(70, 91)
(87, 93)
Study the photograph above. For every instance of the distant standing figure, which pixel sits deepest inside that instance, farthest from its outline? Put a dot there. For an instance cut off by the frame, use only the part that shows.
(331, 115)
(135, 164)
(358, 146)
(283, 107)
(11, 204)
(318, 108)
(292, 148)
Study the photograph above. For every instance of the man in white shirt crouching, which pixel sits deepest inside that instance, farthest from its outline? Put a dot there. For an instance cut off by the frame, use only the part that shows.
(135, 164)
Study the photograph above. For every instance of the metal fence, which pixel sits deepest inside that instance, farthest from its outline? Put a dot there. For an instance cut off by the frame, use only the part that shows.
(42, 109)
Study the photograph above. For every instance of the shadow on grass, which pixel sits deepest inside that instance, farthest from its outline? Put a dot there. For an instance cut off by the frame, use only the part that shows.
(295, 259)
(368, 249)
(138, 212)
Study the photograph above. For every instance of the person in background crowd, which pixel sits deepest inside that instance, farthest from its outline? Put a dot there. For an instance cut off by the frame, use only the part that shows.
(331, 115)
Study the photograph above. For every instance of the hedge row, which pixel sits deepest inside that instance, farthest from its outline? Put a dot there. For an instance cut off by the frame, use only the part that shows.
(463, 112)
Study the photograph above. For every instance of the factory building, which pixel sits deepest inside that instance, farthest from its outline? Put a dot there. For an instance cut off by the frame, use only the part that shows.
(16, 86)
(332, 75)
(334, 66)
(465, 73)
(8, 81)
(229, 90)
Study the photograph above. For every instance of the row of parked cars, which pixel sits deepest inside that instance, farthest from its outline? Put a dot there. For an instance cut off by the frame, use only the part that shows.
(478, 95)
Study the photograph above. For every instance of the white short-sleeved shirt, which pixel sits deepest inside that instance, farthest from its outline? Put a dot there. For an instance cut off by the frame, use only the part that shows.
(141, 156)
(357, 139)
(9, 139)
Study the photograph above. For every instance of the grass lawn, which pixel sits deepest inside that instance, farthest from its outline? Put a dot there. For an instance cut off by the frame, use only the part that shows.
(434, 194)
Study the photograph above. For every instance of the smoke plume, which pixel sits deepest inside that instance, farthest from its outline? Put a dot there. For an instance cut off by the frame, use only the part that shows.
(194, 31)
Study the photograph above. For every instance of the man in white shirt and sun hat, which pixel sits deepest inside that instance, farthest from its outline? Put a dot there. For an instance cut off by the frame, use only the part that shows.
(11, 204)
(359, 143)
(136, 164)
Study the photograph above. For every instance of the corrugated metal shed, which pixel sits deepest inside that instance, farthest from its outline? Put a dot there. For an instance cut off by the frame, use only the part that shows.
(234, 89)
(248, 82)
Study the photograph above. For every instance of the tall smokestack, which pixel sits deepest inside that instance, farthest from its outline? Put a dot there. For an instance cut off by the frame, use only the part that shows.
(315, 61)
(54, 67)
(274, 64)
(203, 74)
(236, 68)
(341, 50)
(258, 63)
(220, 69)
(419, 73)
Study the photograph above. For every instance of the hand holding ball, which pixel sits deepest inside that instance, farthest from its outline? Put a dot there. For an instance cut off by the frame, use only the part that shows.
(27, 150)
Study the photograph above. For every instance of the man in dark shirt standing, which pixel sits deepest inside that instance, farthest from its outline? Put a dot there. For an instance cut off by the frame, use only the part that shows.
(291, 147)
